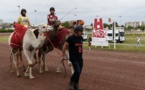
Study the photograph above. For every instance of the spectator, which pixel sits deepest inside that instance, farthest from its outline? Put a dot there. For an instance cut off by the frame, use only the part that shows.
(89, 43)
(139, 40)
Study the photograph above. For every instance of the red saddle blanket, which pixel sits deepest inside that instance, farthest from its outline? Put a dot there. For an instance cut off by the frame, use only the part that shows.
(61, 34)
(17, 37)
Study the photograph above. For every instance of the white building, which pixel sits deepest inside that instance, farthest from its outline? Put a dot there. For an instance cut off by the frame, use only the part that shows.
(135, 24)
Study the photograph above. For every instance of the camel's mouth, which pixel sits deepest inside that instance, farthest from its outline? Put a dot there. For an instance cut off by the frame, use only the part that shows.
(45, 28)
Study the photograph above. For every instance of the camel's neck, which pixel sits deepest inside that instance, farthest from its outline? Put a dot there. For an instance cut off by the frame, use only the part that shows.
(40, 39)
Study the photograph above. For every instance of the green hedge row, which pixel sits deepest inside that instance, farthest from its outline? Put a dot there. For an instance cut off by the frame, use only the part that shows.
(5, 31)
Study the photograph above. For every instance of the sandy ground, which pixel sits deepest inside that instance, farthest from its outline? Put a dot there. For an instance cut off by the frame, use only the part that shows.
(103, 70)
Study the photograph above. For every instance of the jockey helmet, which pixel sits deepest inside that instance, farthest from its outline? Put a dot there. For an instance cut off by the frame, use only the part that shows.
(23, 10)
(52, 8)
(78, 28)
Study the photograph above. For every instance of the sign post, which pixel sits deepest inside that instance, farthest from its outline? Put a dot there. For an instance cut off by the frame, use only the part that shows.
(114, 33)
(99, 33)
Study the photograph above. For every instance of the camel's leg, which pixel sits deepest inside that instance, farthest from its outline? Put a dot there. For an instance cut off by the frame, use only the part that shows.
(22, 60)
(69, 62)
(26, 72)
(30, 71)
(31, 58)
(11, 63)
(58, 70)
(29, 62)
(44, 62)
(18, 59)
(36, 60)
(39, 60)
(15, 64)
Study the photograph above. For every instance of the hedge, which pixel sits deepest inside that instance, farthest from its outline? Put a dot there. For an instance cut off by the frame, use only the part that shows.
(5, 31)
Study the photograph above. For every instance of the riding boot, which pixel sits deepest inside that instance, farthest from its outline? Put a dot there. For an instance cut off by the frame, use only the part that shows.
(76, 87)
(71, 85)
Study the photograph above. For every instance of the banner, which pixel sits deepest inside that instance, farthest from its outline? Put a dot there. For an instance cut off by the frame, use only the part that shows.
(99, 36)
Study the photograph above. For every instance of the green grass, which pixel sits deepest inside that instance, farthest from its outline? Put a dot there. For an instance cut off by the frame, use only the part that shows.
(119, 48)
(3, 39)
(130, 39)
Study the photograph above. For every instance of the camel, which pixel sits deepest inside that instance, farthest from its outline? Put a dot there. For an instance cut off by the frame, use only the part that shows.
(14, 41)
(48, 46)
(30, 42)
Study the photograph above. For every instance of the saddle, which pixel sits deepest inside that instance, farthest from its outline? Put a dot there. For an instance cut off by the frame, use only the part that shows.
(61, 34)
(17, 37)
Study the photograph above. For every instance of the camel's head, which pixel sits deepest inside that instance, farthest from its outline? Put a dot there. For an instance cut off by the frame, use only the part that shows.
(56, 23)
(45, 28)
(73, 23)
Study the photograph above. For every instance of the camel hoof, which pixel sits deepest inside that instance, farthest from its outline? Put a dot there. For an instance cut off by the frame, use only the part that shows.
(58, 70)
(31, 77)
(18, 75)
(40, 72)
(46, 69)
(26, 75)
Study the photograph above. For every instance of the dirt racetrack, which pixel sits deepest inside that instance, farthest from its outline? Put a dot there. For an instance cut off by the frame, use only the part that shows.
(103, 70)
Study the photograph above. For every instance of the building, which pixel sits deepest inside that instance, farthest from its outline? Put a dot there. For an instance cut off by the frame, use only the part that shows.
(1, 21)
(135, 24)
(88, 27)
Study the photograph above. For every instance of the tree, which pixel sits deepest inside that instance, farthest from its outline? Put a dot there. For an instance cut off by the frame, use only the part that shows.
(65, 24)
(142, 28)
(130, 27)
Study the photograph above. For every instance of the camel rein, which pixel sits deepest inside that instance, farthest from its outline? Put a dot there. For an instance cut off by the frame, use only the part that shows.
(60, 56)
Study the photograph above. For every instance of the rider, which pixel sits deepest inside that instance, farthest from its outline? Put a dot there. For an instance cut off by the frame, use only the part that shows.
(74, 44)
(23, 18)
(51, 17)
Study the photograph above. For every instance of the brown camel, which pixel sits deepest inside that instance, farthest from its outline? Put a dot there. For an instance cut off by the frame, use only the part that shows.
(50, 44)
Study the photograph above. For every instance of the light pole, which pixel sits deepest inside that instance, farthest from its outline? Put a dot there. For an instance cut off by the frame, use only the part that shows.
(35, 17)
(120, 21)
(19, 8)
(114, 34)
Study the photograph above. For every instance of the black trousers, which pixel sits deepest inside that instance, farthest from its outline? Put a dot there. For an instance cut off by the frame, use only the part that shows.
(77, 65)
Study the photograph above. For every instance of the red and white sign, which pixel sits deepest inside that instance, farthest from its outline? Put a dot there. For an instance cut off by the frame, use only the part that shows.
(99, 33)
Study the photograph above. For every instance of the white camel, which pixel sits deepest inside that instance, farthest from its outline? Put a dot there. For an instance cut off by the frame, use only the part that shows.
(15, 57)
(31, 42)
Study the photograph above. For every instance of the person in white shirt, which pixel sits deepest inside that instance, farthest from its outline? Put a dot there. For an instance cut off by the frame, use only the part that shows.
(138, 40)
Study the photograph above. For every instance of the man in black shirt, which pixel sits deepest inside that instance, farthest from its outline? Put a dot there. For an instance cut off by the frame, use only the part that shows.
(74, 44)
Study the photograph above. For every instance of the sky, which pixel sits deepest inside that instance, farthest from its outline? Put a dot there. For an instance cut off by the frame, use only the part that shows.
(120, 11)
